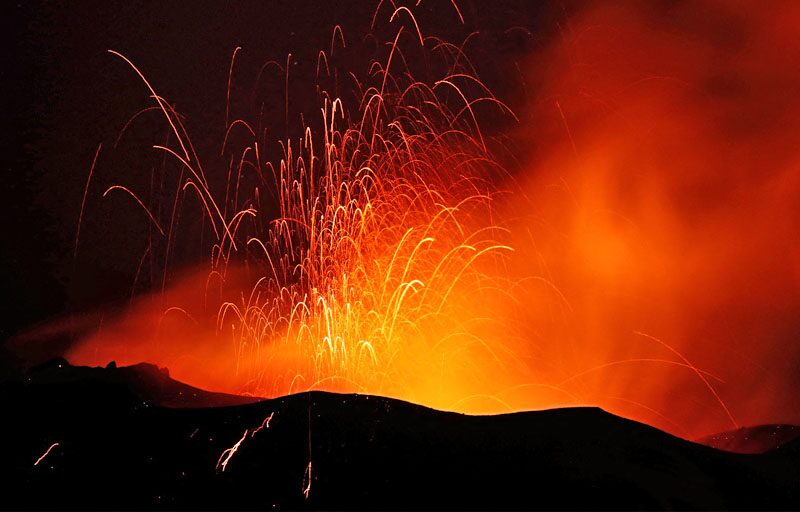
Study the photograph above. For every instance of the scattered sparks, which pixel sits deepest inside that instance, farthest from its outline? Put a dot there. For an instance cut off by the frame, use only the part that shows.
(45, 454)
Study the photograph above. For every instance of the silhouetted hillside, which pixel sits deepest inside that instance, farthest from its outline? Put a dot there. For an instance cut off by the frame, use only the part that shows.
(116, 449)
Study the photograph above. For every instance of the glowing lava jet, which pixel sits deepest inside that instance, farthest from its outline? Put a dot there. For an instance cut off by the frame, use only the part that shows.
(643, 258)
(350, 264)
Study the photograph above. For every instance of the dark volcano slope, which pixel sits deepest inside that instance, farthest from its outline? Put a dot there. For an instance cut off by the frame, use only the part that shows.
(145, 381)
(118, 451)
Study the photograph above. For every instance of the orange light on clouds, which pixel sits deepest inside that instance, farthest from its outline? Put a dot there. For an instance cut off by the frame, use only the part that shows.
(644, 259)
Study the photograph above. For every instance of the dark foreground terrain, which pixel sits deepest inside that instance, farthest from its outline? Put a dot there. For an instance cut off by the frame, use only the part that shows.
(117, 449)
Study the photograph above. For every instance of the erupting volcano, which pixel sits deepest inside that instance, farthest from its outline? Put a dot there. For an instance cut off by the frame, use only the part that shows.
(323, 221)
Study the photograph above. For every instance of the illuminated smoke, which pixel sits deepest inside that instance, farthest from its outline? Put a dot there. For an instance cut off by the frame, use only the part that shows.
(654, 269)
(665, 193)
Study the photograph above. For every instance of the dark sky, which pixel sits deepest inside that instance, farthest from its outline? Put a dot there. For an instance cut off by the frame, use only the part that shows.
(64, 95)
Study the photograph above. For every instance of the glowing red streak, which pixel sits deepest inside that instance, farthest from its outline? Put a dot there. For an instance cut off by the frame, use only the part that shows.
(226, 455)
(83, 201)
(45, 454)
(264, 424)
(307, 481)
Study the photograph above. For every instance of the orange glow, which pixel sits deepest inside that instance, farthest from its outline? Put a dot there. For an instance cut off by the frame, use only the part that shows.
(364, 278)
(644, 259)
(666, 192)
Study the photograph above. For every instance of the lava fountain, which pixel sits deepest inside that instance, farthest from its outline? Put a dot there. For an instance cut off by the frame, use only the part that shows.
(642, 258)
(347, 263)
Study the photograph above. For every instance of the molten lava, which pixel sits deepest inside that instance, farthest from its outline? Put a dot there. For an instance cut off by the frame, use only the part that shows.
(643, 259)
